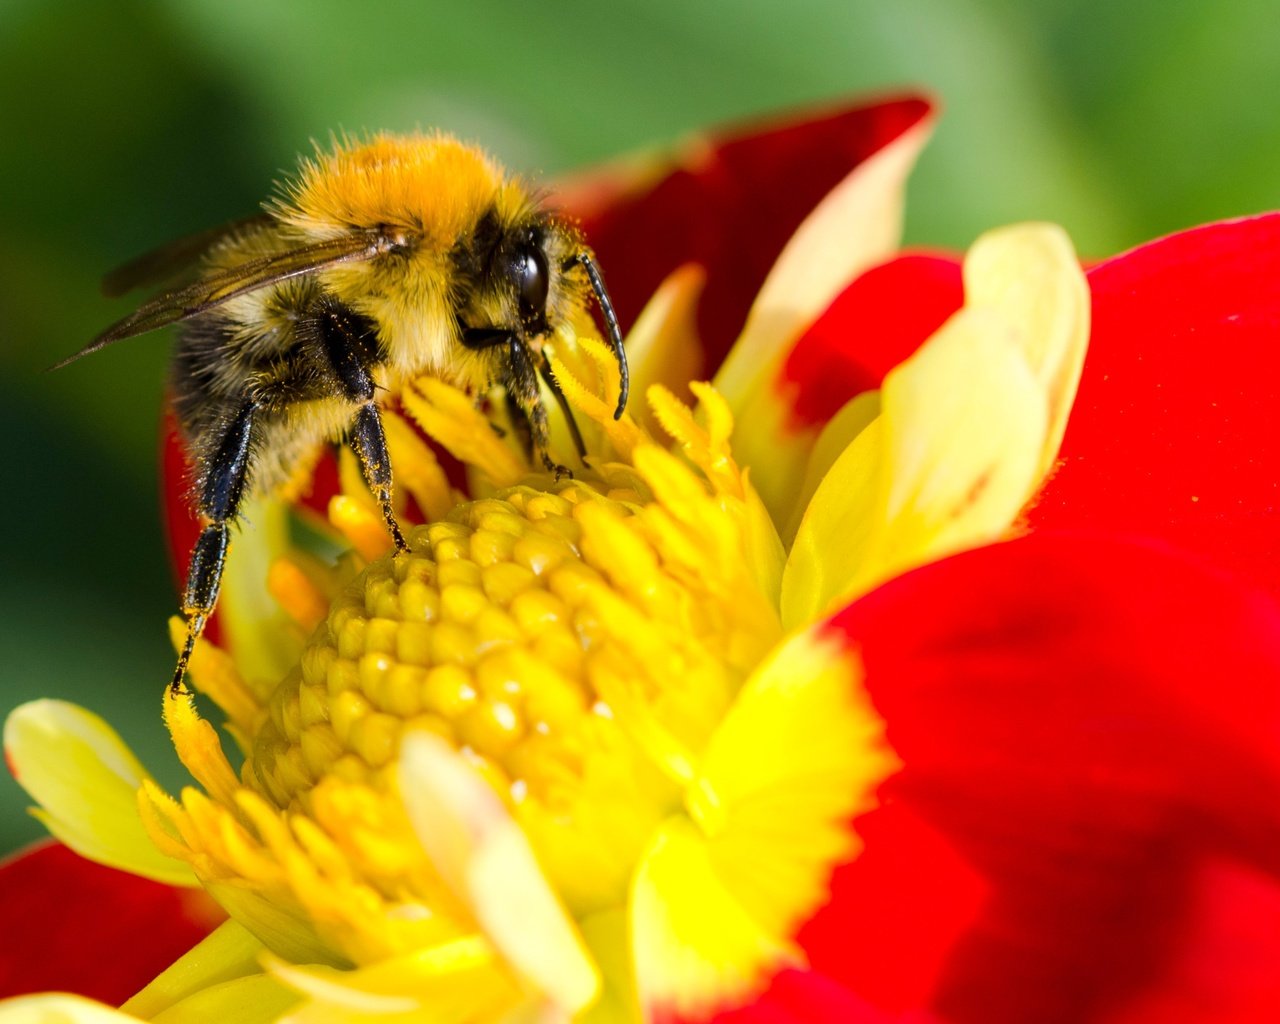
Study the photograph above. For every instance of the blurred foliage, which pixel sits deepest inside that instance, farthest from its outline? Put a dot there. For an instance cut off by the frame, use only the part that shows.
(127, 123)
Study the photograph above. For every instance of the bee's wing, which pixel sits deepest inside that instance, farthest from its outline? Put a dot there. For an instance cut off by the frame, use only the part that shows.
(217, 288)
(171, 259)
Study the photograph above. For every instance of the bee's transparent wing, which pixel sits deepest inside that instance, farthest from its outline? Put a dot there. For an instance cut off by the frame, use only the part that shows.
(169, 260)
(215, 289)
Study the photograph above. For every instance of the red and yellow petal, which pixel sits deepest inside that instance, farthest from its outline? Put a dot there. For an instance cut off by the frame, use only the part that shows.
(964, 431)
(1174, 433)
(1088, 730)
(75, 926)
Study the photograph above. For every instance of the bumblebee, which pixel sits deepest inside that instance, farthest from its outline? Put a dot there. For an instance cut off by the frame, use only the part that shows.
(379, 261)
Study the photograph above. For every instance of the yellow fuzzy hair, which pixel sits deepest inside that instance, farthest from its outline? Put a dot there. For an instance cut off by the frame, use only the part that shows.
(431, 185)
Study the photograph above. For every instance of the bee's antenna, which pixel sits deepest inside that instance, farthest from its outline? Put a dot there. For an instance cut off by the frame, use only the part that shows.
(610, 323)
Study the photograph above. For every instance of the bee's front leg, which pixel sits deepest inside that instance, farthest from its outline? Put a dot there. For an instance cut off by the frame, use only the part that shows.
(524, 395)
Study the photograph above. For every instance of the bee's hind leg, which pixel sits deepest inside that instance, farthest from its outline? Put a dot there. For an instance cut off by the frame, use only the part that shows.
(221, 491)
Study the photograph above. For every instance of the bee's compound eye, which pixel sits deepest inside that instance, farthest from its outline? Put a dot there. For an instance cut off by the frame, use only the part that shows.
(531, 282)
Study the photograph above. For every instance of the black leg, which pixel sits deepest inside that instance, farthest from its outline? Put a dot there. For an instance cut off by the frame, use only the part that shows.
(524, 402)
(519, 425)
(610, 323)
(369, 442)
(352, 350)
(522, 387)
(221, 492)
(544, 368)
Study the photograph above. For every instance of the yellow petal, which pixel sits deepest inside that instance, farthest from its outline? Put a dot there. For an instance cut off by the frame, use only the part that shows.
(484, 856)
(949, 464)
(457, 981)
(450, 417)
(855, 227)
(417, 470)
(86, 781)
(607, 935)
(840, 431)
(362, 526)
(1031, 274)
(256, 999)
(227, 953)
(213, 671)
(199, 747)
(695, 945)
(57, 1008)
(717, 899)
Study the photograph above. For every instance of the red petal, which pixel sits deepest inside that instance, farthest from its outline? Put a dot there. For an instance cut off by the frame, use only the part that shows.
(181, 525)
(730, 206)
(1088, 820)
(71, 925)
(1174, 433)
(874, 324)
(805, 997)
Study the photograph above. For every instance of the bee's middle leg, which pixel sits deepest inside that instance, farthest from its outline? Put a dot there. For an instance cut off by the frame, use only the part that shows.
(351, 354)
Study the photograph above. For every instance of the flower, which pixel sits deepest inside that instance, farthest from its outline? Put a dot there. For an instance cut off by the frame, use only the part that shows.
(814, 714)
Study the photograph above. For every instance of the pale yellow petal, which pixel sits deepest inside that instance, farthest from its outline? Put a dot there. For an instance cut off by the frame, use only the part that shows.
(607, 935)
(86, 781)
(482, 853)
(964, 427)
(766, 555)
(959, 444)
(227, 953)
(59, 1008)
(855, 227)
(284, 930)
(663, 346)
(1030, 272)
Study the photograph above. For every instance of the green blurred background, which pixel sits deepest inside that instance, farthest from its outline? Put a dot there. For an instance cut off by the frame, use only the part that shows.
(126, 123)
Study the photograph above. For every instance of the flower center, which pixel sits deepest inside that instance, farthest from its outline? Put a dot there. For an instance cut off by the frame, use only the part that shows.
(548, 637)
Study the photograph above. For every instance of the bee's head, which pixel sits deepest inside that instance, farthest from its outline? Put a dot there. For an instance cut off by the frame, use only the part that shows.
(524, 277)
(511, 274)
